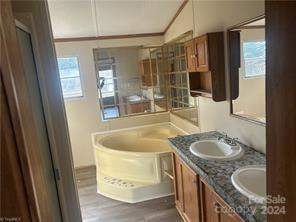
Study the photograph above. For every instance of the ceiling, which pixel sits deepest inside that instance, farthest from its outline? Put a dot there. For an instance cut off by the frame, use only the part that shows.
(91, 18)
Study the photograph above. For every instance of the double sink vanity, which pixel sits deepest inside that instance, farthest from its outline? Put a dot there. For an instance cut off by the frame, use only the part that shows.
(218, 179)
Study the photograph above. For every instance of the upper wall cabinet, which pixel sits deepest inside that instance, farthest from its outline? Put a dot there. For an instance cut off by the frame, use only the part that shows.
(190, 56)
(206, 66)
(147, 69)
(201, 49)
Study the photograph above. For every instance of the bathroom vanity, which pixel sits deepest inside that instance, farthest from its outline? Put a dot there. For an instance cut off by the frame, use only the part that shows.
(203, 188)
(195, 199)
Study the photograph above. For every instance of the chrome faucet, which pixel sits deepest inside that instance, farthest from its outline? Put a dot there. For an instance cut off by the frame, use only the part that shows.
(228, 140)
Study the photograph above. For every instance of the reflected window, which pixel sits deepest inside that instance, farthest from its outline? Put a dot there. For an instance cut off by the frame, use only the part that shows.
(107, 89)
(70, 77)
(254, 58)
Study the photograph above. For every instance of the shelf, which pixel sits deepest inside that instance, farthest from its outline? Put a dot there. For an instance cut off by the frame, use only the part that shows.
(170, 175)
(177, 72)
(180, 57)
(201, 92)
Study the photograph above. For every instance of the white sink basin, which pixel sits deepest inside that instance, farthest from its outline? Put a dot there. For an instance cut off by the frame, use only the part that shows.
(215, 150)
(251, 182)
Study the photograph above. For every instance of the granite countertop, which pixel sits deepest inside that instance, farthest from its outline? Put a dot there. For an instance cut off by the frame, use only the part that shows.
(218, 173)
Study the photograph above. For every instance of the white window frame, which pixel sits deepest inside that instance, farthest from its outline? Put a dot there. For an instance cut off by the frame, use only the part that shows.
(69, 98)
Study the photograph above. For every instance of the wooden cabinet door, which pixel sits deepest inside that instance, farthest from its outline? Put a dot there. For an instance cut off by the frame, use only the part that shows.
(190, 56)
(227, 214)
(214, 209)
(178, 183)
(190, 195)
(148, 72)
(201, 49)
(186, 191)
(229, 217)
(209, 205)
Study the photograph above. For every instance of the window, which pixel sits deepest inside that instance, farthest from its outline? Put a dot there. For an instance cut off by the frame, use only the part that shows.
(254, 58)
(107, 89)
(70, 77)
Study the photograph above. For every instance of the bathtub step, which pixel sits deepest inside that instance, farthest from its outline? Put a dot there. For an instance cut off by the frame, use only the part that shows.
(132, 191)
(128, 184)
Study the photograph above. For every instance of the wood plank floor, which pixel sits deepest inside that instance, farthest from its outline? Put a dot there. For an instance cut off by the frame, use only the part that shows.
(95, 207)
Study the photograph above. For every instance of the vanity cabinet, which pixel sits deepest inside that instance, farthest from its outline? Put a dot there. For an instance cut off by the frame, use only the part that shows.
(186, 184)
(206, 66)
(195, 200)
(140, 107)
(214, 209)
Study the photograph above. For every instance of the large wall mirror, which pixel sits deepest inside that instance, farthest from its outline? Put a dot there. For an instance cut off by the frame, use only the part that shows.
(247, 70)
(140, 80)
(129, 81)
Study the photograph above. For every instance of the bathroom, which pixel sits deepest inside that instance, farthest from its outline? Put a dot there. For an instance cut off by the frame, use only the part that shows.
(91, 115)
(166, 109)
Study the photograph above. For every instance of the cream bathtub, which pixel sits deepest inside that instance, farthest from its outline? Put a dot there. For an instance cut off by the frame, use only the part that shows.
(135, 165)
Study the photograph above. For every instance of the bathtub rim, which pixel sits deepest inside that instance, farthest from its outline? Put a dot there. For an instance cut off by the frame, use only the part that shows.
(132, 153)
(139, 127)
(107, 134)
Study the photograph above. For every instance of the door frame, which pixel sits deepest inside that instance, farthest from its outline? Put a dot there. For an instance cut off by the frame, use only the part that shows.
(20, 108)
(281, 106)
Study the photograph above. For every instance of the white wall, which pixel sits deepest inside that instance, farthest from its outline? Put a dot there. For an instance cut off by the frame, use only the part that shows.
(183, 23)
(84, 114)
(211, 16)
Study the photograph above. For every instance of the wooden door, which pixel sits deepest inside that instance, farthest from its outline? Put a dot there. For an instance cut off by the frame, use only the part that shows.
(31, 76)
(178, 182)
(201, 48)
(281, 106)
(14, 201)
(190, 195)
(190, 56)
(18, 75)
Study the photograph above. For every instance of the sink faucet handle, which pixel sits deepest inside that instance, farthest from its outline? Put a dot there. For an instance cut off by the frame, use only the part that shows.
(225, 135)
(235, 139)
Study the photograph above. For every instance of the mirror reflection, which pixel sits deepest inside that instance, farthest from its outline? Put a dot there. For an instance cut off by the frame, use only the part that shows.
(140, 80)
(247, 45)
